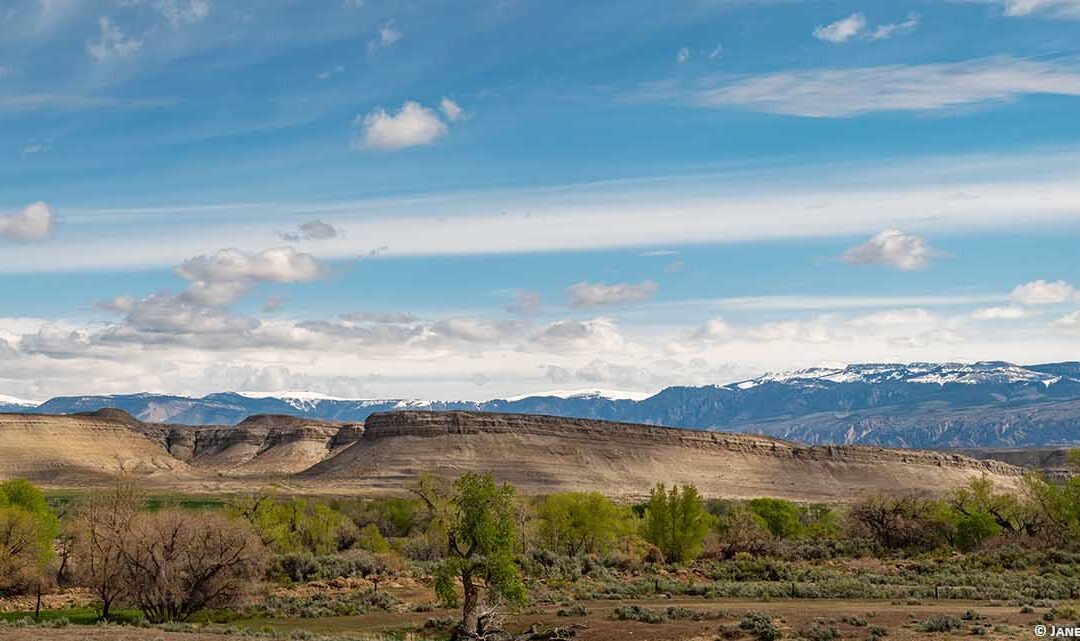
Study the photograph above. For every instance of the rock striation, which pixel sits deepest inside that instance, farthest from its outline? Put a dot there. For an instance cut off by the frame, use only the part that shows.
(545, 453)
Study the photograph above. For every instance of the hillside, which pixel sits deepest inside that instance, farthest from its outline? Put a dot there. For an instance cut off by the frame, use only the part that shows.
(920, 405)
(544, 453)
(73, 450)
(538, 453)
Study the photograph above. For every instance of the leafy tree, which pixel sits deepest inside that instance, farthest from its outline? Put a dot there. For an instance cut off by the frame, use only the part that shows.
(477, 519)
(28, 528)
(676, 522)
(577, 523)
(372, 540)
(782, 518)
(295, 525)
(972, 530)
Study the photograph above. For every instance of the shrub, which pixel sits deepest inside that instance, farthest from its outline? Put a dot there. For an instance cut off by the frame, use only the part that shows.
(941, 623)
(760, 626)
(877, 632)
(637, 613)
(572, 610)
(820, 633)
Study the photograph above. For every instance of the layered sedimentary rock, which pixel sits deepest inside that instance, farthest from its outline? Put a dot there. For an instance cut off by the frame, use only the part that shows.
(544, 454)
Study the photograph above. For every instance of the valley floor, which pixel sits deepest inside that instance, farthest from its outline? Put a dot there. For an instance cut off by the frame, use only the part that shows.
(795, 618)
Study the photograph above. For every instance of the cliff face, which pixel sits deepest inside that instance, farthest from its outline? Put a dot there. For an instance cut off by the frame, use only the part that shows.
(544, 454)
(77, 449)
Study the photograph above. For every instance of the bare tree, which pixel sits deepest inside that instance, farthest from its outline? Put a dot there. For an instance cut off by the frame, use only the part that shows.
(98, 532)
(177, 563)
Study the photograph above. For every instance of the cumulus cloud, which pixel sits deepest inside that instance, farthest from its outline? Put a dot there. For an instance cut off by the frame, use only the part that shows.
(1004, 312)
(227, 274)
(584, 294)
(852, 91)
(311, 230)
(525, 303)
(112, 42)
(841, 30)
(34, 222)
(414, 125)
(1069, 324)
(597, 334)
(1041, 292)
(893, 248)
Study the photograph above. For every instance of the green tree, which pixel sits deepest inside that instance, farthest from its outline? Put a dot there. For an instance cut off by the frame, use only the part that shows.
(676, 522)
(28, 528)
(295, 525)
(578, 522)
(783, 518)
(477, 519)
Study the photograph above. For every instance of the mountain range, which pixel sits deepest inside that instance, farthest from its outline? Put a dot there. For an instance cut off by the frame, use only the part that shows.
(915, 405)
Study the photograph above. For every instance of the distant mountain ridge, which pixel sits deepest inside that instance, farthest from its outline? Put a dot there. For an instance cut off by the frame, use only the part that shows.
(916, 405)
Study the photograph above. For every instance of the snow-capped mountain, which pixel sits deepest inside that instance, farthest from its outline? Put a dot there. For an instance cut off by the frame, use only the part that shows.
(985, 404)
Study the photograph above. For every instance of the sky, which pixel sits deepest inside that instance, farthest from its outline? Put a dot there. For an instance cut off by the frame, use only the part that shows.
(485, 198)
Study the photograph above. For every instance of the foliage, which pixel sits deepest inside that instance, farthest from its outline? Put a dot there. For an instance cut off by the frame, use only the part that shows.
(296, 525)
(27, 530)
(576, 523)
(782, 518)
(676, 522)
(479, 520)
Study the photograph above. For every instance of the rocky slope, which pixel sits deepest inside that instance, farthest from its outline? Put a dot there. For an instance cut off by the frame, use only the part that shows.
(544, 454)
(537, 453)
(72, 450)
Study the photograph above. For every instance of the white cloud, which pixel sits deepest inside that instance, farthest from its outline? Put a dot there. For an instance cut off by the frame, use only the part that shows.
(451, 110)
(36, 148)
(895, 318)
(1067, 9)
(585, 294)
(229, 273)
(414, 125)
(311, 230)
(525, 303)
(388, 35)
(797, 331)
(716, 52)
(886, 31)
(181, 12)
(893, 248)
(34, 222)
(594, 335)
(1041, 292)
(112, 43)
(852, 91)
(1069, 324)
(682, 56)
(841, 30)
(1007, 312)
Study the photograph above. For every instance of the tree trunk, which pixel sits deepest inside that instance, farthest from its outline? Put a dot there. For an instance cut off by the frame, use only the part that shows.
(470, 613)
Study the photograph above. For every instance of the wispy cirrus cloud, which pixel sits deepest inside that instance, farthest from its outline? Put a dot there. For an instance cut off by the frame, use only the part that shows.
(856, 26)
(1062, 9)
(854, 91)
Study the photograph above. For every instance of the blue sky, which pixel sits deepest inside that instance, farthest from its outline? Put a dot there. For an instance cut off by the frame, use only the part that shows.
(491, 197)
